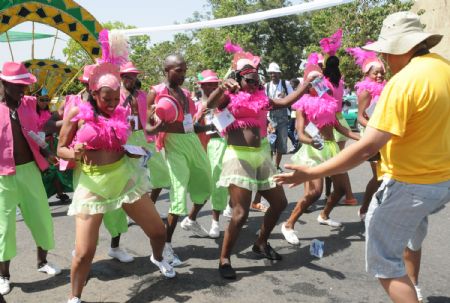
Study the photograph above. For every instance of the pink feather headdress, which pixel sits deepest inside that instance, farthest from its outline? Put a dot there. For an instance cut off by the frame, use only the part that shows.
(232, 48)
(115, 47)
(241, 57)
(365, 59)
(330, 45)
(312, 65)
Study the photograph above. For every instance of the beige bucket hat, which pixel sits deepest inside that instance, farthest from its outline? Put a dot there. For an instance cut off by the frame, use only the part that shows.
(400, 33)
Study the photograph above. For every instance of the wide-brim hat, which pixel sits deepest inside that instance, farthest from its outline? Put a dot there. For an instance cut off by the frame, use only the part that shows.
(207, 76)
(17, 73)
(167, 108)
(129, 68)
(87, 70)
(400, 33)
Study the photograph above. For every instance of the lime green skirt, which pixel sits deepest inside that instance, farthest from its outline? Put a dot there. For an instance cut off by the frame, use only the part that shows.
(100, 189)
(338, 137)
(310, 156)
(247, 167)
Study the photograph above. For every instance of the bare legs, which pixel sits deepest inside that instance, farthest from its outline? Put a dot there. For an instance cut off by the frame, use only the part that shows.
(313, 191)
(41, 260)
(346, 186)
(240, 201)
(172, 220)
(400, 290)
(143, 212)
(371, 188)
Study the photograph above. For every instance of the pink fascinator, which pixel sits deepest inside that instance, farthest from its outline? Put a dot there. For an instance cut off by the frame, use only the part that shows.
(330, 45)
(365, 59)
(241, 57)
(105, 75)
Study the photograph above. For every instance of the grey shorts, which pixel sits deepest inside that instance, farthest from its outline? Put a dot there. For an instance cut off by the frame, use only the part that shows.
(280, 144)
(398, 218)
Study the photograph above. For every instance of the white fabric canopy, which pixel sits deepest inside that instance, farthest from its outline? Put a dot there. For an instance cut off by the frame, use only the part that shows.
(243, 19)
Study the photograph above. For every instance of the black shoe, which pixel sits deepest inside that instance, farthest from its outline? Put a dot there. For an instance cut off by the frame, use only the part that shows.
(63, 198)
(268, 253)
(227, 272)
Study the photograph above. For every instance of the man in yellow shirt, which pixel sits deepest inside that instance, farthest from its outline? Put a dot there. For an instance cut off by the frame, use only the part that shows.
(411, 126)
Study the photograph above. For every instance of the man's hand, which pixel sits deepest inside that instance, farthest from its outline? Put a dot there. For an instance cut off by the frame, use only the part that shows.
(153, 129)
(299, 175)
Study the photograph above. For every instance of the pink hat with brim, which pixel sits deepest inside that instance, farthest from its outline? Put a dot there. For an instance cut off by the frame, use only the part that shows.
(16, 73)
(208, 76)
(168, 109)
(87, 71)
(129, 68)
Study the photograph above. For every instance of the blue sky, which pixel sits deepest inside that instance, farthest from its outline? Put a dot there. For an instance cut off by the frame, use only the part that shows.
(141, 13)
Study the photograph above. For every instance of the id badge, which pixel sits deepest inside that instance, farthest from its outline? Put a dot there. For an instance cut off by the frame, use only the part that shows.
(133, 118)
(188, 123)
(223, 119)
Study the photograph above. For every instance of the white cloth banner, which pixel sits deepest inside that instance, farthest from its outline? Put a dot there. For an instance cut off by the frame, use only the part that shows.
(243, 19)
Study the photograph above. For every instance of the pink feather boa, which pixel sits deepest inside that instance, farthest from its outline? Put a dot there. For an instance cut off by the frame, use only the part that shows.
(374, 88)
(117, 121)
(247, 109)
(319, 110)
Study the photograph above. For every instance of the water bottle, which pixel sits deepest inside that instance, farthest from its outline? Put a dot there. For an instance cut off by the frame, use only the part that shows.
(316, 248)
(319, 141)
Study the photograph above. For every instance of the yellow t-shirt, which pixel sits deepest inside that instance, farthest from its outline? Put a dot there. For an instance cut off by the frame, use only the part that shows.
(415, 108)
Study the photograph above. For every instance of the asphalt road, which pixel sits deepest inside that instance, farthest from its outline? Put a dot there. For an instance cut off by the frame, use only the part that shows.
(337, 277)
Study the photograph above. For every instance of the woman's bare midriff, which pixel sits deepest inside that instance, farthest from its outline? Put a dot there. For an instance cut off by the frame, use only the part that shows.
(327, 133)
(244, 137)
(102, 157)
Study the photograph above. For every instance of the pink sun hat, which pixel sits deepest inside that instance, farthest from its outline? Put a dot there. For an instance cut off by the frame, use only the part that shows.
(168, 109)
(129, 68)
(208, 76)
(87, 71)
(16, 73)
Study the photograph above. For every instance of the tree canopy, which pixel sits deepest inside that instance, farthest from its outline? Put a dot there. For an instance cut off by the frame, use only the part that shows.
(286, 40)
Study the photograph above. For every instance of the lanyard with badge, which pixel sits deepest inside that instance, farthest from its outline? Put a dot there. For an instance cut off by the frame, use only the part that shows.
(188, 122)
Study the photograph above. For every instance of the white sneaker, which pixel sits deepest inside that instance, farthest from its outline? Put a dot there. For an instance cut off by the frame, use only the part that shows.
(50, 269)
(290, 235)
(74, 300)
(265, 203)
(170, 256)
(329, 222)
(120, 254)
(361, 216)
(418, 293)
(5, 287)
(165, 268)
(228, 212)
(214, 232)
(195, 227)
